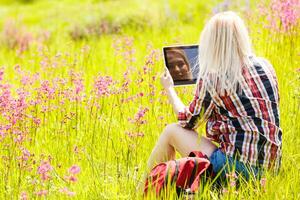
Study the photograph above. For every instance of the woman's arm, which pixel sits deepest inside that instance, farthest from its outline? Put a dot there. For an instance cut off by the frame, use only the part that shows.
(199, 109)
(168, 84)
(175, 100)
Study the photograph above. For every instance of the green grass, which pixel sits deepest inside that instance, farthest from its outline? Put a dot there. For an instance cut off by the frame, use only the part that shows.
(111, 162)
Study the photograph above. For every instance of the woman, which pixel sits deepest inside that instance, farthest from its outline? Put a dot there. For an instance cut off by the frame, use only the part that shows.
(236, 95)
(178, 63)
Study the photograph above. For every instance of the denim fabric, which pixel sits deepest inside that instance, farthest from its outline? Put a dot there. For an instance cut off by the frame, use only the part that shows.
(223, 164)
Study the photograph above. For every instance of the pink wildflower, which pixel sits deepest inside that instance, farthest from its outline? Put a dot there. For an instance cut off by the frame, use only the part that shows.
(133, 134)
(77, 80)
(25, 154)
(263, 182)
(42, 193)
(102, 85)
(66, 191)
(24, 196)
(232, 183)
(140, 114)
(44, 170)
(71, 178)
(1, 74)
(47, 90)
(74, 169)
(231, 175)
(37, 121)
(224, 190)
(284, 15)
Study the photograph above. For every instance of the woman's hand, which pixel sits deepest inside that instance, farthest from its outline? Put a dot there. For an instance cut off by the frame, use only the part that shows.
(168, 84)
(166, 80)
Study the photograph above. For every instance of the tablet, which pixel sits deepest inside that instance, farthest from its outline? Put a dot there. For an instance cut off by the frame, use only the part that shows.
(182, 63)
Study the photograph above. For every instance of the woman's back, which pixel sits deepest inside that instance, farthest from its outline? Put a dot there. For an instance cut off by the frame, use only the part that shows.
(246, 123)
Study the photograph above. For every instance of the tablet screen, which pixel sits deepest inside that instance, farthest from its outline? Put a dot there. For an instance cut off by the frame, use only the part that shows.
(182, 63)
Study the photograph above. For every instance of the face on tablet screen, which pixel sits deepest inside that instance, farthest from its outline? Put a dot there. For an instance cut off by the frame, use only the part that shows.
(182, 64)
(179, 65)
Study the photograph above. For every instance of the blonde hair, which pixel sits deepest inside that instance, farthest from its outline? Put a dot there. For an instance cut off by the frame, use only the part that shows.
(224, 48)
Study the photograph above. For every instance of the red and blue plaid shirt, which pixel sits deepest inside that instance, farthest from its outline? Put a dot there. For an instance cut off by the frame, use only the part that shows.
(245, 124)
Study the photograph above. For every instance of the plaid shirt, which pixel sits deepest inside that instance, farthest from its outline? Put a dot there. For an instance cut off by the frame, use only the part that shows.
(246, 124)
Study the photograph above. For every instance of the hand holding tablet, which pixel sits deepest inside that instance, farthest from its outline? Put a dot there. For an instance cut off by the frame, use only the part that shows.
(166, 79)
(182, 64)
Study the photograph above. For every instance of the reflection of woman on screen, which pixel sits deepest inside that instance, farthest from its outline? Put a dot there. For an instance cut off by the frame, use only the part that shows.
(178, 64)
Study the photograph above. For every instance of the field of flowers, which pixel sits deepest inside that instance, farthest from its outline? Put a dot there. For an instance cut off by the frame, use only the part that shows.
(81, 105)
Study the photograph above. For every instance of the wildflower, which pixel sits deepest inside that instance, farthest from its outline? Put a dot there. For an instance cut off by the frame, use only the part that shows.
(140, 114)
(102, 84)
(224, 190)
(232, 178)
(232, 183)
(74, 169)
(124, 48)
(37, 121)
(145, 69)
(231, 175)
(77, 80)
(42, 193)
(71, 178)
(138, 118)
(46, 89)
(283, 15)
(133, 134)
(1, 74)
(263, 182)
(150, 59)
(20, 138)
(25, 154)
(24, 196)
(44, 170)
(66, 191)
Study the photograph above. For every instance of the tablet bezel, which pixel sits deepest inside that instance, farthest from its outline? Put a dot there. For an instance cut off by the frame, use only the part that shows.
(185, 46)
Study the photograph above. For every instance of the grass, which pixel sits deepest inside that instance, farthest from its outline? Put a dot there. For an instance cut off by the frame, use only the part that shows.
(100, 133)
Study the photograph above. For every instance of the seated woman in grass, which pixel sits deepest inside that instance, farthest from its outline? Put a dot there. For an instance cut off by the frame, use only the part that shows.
(236, 95)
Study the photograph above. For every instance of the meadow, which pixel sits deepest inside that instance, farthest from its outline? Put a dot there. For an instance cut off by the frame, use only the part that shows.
(81, 102)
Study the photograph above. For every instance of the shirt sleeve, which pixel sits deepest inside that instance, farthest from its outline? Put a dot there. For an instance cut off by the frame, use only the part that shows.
(198, 110)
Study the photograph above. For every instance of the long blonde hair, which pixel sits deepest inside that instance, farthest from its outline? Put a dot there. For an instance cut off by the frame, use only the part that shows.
(224, 48)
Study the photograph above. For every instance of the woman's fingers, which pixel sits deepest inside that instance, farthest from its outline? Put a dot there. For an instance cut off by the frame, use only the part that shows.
(165, 73)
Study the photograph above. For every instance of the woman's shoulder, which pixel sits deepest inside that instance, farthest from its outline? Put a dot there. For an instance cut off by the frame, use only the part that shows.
(258, 60)
(264, 63)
